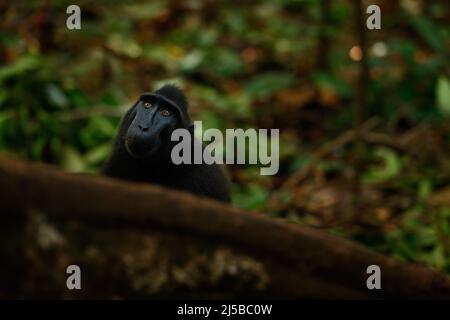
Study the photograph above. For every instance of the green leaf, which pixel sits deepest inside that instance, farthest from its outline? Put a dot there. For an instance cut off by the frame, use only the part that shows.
(392, 165)
(56, 95)
(332, 81)
(71, 160)
(424, 189)
(223, 62)
(443, 95)
(269, 83)
(251, 197)
(429, 32)
(98, 154)
(143, 11)
(22, 66)
(38, 147)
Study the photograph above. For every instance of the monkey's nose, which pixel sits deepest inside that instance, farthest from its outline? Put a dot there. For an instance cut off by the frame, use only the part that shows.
(143, 127)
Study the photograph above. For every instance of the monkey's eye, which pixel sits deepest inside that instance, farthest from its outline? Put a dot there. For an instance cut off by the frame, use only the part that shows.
(165, 112)
(147, 105)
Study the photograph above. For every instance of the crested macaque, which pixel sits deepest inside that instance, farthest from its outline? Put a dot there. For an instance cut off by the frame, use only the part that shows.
(142, 149)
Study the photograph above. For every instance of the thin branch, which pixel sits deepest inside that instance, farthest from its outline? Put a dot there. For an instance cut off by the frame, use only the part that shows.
(320, 154)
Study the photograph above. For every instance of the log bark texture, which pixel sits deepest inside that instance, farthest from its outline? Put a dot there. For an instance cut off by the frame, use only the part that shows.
(301, 261)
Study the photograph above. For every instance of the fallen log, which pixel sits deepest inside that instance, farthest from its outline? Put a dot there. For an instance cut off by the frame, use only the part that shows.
(302, 262)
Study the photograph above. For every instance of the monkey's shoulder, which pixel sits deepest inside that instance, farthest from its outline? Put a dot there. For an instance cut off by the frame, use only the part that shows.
(201, 179)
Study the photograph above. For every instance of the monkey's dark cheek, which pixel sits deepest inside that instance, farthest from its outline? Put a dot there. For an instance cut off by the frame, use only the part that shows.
(135, 149)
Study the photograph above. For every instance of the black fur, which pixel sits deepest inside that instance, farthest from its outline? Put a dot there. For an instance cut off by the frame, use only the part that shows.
(142, 148)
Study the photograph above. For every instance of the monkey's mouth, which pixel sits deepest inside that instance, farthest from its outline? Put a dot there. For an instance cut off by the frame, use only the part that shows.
(141, 149)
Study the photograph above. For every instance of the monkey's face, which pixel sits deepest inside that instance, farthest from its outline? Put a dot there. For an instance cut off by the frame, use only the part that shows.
(150, 130)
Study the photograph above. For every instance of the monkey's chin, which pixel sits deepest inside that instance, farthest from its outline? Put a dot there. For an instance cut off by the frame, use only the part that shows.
(141, 154)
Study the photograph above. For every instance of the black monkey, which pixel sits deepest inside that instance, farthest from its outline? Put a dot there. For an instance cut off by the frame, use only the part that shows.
(143, 147)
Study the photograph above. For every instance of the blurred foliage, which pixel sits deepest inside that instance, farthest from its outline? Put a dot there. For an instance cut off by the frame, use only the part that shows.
(264, 64)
